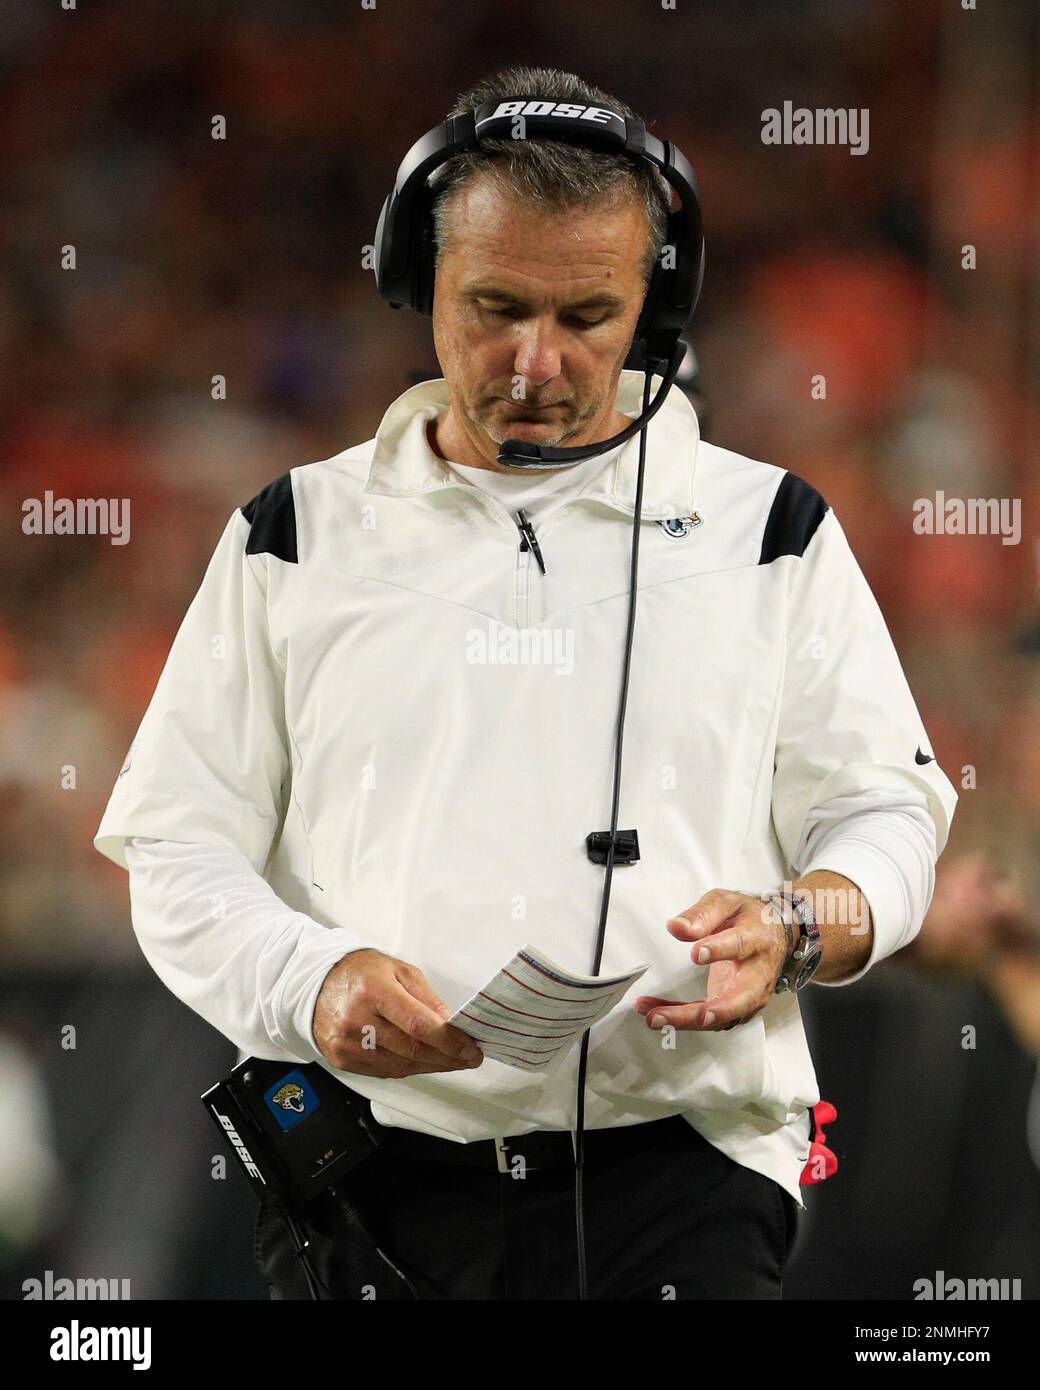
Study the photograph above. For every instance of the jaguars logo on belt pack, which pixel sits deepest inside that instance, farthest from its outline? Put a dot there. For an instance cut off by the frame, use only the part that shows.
(290, 1097)
(679, 526)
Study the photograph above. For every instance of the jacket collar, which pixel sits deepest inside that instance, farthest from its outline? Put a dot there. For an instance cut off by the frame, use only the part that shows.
(404, 465)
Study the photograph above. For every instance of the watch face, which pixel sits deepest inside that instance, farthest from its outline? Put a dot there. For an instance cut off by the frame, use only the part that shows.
(808, 970)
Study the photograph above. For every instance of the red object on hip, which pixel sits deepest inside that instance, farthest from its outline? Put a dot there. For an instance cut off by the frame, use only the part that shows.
(822, 1113)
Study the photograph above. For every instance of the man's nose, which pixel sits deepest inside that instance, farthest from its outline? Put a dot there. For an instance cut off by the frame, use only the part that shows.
(538, 357)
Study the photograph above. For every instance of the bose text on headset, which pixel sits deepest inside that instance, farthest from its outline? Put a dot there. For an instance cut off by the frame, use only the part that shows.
(404, 268)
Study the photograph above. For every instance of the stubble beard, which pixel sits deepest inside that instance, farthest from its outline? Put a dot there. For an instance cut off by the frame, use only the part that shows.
(549, 441)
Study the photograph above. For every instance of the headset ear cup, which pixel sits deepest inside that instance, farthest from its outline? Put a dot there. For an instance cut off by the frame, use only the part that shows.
(637, 353)
(424, 271)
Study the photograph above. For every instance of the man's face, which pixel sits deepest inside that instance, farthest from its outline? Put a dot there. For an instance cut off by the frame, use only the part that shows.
(533, 314)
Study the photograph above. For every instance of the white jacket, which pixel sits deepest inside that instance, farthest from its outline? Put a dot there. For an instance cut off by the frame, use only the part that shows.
(379, 700)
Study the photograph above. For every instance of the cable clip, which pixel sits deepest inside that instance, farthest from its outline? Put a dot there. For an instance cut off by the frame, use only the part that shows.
(626, 846)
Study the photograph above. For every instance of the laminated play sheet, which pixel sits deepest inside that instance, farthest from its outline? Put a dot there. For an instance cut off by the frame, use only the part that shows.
(534, 1010)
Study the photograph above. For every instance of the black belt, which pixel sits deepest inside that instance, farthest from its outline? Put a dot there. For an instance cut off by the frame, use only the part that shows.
(540, 1148)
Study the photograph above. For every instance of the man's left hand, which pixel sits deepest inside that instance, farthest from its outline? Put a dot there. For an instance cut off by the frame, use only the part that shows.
(743, 942)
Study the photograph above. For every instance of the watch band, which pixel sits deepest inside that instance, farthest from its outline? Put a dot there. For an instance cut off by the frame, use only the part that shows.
(805, 954)
(776, 899)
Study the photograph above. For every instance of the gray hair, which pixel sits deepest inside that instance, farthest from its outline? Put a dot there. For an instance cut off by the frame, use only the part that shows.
(556, 173)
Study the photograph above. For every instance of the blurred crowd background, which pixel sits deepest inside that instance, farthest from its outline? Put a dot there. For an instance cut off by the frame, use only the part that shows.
(244, 257)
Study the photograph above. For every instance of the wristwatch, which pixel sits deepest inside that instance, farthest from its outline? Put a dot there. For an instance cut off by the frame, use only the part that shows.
(806, 952)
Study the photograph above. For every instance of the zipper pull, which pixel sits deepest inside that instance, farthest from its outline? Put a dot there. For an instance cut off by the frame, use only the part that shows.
(528, 538)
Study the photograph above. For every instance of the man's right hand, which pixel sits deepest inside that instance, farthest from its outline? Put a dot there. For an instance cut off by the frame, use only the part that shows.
(377, 1016)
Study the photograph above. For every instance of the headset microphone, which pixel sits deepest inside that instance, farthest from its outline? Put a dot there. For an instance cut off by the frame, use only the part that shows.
(520, 453)
(404, 268)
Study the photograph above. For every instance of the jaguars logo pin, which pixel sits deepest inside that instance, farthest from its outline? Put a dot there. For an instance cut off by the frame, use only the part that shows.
(679, 526)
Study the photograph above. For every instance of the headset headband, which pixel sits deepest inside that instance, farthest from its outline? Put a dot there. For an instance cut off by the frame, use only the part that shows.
(404, 240)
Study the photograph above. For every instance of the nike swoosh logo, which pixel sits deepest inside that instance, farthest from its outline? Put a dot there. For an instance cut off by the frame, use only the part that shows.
(923, 758)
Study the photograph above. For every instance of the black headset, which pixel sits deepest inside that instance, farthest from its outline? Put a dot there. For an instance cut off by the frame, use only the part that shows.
(404, 243)
(404, 270)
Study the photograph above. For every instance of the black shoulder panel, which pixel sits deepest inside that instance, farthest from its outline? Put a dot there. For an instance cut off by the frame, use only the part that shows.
(272, 521)
(796, 512)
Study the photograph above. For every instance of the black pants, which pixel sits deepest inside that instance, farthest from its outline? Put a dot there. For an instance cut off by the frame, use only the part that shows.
(675, 1220)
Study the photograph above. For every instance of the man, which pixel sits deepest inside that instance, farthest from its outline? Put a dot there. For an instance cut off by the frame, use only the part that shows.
(348, 709)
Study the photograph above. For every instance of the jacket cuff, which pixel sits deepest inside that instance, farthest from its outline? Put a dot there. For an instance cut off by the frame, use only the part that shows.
(318, 950)
(884, 888)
